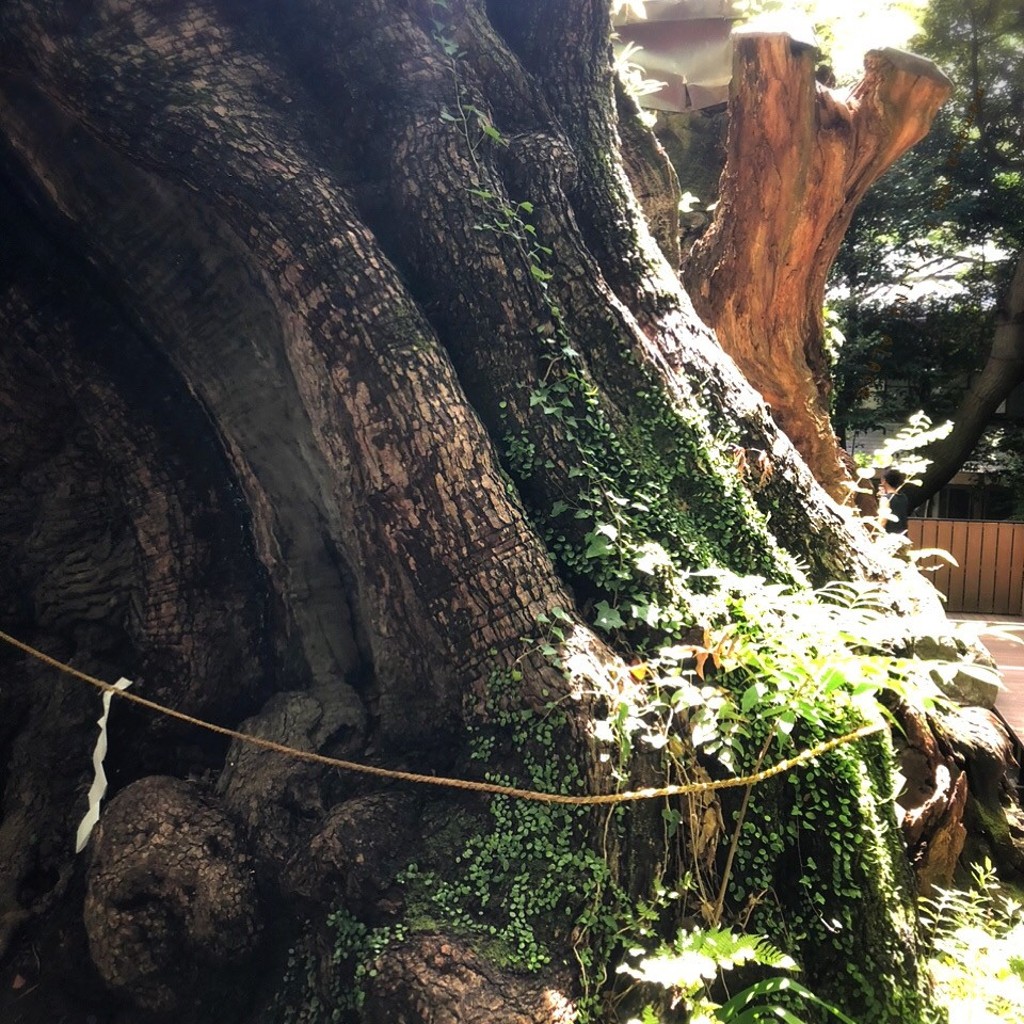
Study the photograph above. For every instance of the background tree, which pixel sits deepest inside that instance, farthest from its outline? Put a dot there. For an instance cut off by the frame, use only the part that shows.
(899, 358)
(953, 218)
(347, 400)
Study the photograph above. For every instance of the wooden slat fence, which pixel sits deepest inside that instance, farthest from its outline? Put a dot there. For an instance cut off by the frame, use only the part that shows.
(989, 576)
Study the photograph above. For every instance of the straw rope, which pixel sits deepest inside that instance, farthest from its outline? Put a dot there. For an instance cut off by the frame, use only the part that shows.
(578, 800)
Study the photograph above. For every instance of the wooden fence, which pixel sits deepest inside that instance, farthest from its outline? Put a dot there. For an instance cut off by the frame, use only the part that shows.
(989, 575)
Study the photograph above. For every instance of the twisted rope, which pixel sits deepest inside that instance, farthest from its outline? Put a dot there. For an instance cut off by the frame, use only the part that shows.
(576, 800)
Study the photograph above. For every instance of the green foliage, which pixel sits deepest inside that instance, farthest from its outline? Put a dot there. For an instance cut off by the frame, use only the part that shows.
(788, 669)
(529, 877)
(696, 957)
(904, 356)
(690, 965)
(901, 450)
(974, 940)
(657, 499)
(767, 1001)
(646, 476)
(959, 186)
(530, 868)
(829, 829)
(981, 45)
(1003, 445)
(655, 492)
(794, 668)
(327, 967)
(818, 659)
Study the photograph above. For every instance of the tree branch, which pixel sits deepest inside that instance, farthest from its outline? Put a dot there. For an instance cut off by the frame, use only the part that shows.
(1002, 372)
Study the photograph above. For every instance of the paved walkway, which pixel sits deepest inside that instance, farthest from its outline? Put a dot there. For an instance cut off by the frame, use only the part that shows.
(1009, 656)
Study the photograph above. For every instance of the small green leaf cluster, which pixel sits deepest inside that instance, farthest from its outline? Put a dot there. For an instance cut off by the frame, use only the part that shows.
(824, 828)
(901, 450)
(653, 507)
(784, 658)
(298, 999)
(829, 827)
(652, 498)
(675, 700)
(530, 876)
(358, 945)
(790, 669)
(657, 496)
(327, 968)
(508, 218)
(528, 871)
(442, 27)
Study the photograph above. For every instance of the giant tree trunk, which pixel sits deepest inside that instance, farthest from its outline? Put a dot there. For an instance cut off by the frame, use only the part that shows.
(799, 159)
(334, 348)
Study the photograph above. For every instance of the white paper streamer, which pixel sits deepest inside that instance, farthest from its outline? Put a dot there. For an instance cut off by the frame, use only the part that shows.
(99, 781)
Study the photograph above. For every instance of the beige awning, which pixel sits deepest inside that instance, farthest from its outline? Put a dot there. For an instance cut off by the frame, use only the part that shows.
(686, 45)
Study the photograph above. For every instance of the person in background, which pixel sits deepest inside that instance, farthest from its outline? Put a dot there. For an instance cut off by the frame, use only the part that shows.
(894, 506)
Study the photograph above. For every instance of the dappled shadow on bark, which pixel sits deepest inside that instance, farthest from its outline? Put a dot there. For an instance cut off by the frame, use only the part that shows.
(435, 978)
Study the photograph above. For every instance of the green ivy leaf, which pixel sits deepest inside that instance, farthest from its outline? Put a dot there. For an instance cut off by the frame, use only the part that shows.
(491, 132)
(608, 617)
(754, 694)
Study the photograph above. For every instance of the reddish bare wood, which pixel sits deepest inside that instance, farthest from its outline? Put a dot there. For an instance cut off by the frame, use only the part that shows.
(799, 159)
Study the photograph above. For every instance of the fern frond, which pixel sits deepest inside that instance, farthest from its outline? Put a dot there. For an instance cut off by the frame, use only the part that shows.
(726, 949)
